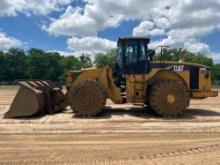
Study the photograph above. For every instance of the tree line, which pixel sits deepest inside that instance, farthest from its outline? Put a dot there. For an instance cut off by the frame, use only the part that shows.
(38, 64)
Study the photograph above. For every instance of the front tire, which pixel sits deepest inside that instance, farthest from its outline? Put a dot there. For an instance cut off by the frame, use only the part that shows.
(87, 98)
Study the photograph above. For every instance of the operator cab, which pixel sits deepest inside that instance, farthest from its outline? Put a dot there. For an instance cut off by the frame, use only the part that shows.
(133, 55)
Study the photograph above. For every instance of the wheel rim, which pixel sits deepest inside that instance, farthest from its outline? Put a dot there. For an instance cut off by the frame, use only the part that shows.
(171, 98)
(168, 98)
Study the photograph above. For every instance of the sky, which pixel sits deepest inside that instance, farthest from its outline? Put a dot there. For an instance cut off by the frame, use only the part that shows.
(92, 26)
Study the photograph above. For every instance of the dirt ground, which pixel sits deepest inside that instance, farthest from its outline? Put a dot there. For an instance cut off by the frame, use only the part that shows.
(123, 134)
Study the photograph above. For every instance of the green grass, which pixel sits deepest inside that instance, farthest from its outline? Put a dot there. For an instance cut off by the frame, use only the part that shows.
(216, 88)
(8, 87)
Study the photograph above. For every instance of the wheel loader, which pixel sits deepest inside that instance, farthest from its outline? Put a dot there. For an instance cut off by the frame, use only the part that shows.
(165, 87)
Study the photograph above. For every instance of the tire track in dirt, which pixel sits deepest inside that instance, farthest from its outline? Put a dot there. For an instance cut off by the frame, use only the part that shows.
(126, 160)
(196, 150)
(109, 149)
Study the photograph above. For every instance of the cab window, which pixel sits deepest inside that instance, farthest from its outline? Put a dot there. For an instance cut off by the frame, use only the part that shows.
(131, 52)
(143, 49)
(120, 55)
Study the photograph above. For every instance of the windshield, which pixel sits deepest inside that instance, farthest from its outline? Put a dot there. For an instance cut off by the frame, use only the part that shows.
(143, 50)
(132, 55)
(131, 51)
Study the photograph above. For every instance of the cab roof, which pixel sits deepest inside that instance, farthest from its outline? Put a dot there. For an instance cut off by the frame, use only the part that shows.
(135, 38)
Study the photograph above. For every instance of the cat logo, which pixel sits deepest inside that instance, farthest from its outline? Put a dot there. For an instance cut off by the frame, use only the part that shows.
(178, 68)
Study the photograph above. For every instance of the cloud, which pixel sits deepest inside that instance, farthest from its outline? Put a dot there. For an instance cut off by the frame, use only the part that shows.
(72, 23)
(90, 45)
(197, 47)
(86, 45)
(7, 42)
(187, 38)
(147, 28)
(182, 23)
(193, 46)
(215, 56)
(63, 53)
(28, 7)
(98, 15)
(192, 13)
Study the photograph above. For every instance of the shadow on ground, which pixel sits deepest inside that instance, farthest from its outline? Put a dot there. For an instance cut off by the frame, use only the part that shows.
(145, 113)
(138, 112)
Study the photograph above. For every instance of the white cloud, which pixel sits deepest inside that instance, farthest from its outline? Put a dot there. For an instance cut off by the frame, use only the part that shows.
(182, 22)
(74, 53)
(147, 28)
(38, 7)
(162, 22)
(193, 46)
(101, 14)
(63, 53)
(90, 45)
(193, 13)
(197, 47)
(143, 28)
(7, 42)
(98, 15)
(190, 33)
(86, 45)
(72, 23)
(215, 56)
(185, 24)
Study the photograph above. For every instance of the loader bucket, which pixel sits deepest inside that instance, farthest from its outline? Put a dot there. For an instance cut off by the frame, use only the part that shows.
(34, 97)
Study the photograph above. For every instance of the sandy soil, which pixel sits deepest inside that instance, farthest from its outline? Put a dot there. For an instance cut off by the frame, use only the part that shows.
(123, 134)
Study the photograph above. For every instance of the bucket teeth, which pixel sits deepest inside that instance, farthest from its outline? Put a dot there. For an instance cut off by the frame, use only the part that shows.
(36, 96)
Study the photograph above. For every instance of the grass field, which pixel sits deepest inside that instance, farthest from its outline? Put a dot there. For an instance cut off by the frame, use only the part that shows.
(8, 87)
(216, 88)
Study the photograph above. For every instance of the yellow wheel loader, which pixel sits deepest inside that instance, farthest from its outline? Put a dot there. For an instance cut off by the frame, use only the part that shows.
(165, 87)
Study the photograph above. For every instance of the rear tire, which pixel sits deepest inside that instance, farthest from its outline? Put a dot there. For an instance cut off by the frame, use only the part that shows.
(168, 98)
(87, 98)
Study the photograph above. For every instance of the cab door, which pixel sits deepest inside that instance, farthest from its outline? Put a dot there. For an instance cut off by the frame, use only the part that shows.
(135, 57)
(130, 60)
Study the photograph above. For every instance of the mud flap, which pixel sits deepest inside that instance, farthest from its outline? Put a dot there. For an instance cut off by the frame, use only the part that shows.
(36, 96)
